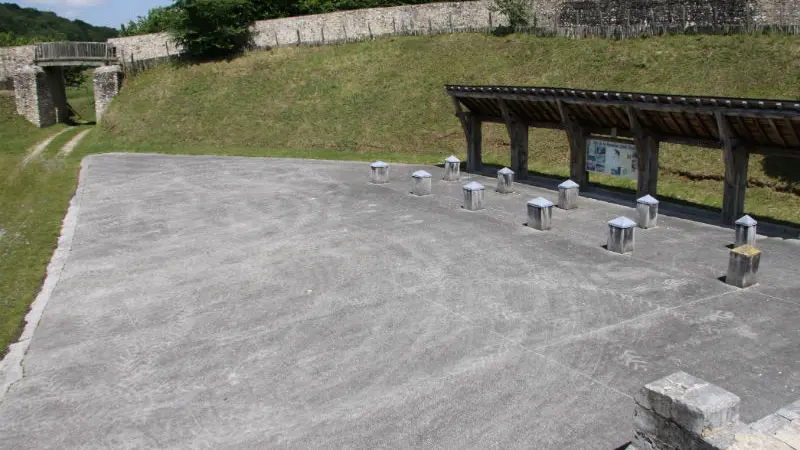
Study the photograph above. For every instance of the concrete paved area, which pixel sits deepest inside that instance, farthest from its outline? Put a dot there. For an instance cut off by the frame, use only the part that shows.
(211, 302)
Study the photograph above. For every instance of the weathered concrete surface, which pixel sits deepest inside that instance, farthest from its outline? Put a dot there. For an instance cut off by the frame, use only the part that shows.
(214, 302)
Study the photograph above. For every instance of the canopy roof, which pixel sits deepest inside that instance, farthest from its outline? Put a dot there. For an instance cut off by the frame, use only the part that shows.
(762, 126)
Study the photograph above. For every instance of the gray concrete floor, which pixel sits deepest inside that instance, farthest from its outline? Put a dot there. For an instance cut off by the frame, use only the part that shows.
(211, 302)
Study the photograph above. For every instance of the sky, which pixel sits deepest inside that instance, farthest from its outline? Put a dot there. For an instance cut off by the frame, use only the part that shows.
(110, 13)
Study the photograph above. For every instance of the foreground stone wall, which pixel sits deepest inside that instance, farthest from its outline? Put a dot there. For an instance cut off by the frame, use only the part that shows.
(683, 412)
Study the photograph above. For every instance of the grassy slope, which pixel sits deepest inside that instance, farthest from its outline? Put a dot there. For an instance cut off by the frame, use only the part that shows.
(33, 200)
(385, 99)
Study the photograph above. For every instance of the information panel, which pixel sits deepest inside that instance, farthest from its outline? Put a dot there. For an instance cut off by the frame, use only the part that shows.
(617, 158)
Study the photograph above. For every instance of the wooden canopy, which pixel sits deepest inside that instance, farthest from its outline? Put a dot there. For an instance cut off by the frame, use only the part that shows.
(738, 126)
(764, 126)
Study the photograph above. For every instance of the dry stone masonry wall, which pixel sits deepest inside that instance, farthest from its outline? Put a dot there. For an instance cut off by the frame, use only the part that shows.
(107, 82)
(362, 24)
(143, 51)
(13, 59)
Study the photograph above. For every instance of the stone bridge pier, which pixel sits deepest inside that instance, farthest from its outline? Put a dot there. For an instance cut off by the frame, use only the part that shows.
(41, 94)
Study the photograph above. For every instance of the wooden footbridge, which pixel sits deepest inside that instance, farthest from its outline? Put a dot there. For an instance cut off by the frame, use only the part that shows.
(61, 54)
(737, 126)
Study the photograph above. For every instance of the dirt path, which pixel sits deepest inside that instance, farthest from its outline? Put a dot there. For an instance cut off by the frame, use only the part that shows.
(70, 146)
(40, 147)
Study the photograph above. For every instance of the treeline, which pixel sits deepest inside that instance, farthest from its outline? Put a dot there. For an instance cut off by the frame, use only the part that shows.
(21, 26)
(166, 18)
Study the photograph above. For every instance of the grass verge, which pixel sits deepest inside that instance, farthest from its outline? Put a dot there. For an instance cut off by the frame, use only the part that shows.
(33, 200)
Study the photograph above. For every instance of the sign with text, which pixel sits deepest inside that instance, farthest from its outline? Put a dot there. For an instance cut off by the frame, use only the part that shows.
(612, 157)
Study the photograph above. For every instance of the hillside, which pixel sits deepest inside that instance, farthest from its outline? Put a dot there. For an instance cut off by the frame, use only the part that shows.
(26, 24)
(385, 99)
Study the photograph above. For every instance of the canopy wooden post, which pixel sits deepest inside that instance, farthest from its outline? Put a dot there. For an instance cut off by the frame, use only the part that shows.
(518, 135)
(473, 132)
(736, 159)
(474, 144)
(647, 147)
(577, 135)
(519, 150)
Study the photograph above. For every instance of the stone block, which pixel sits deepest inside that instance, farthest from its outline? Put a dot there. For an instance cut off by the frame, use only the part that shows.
(473, 196)
(743, 266)
(505, 181)
(421, 183)
(745, 231)
(647, 212)
(379, 172)
(540, 214)
(568, 193)
(691, 403)
(452, 169)
(620, 235)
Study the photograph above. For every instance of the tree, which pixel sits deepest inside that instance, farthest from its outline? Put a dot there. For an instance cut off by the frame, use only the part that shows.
(212, 29)
(157, 20)
(32, 23)
(518, 12)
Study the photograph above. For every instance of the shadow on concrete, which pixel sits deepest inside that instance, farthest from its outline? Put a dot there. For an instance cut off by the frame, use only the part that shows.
(669, 206)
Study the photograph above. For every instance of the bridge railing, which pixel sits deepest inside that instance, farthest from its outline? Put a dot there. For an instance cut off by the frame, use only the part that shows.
(75, 51)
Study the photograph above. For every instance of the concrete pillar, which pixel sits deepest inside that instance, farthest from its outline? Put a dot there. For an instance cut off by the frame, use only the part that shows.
(743, 266)
(568, 195)
(505, 181)
(473, 196)
(421, 183)
(745, 231)
(452, 168)
(647, 212)
(107, 83)
(34, 96)
(683, 412)
(620, 235)
(379, 172)
(540, 214)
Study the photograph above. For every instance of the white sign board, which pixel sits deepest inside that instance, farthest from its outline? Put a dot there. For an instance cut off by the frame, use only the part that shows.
(617, 158)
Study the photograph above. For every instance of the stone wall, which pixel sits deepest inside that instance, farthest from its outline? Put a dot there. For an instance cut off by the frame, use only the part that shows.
(145, 47)
(33, 97)
(434, 18)
(11, 60)
(779, 12)
(107, 82)
(362, 24)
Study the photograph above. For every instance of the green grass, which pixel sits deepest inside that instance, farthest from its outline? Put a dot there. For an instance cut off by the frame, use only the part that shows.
(385, 99)
(381, 100)
(33, 199)
(82, 99)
